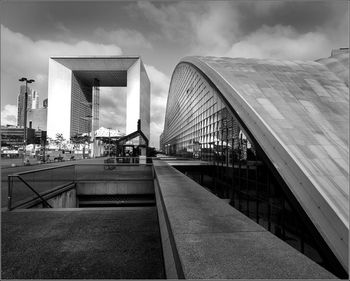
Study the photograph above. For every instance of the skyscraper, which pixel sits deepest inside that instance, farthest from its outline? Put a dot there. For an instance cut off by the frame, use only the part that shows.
(33, 103)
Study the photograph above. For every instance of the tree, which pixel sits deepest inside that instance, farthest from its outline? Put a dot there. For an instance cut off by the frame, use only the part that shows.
(49, 140)
(59, 140)
(78, 140)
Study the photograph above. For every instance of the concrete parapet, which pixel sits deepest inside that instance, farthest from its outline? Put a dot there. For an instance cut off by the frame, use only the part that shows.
(204, 237)
(122, 187)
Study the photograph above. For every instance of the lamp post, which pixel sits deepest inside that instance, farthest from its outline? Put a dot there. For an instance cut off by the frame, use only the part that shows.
(109, 146)
(28, 81)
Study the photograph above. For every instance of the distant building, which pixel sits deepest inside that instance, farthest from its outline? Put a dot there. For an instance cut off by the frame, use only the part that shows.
(73, 89)
(37, 118)
(161, 142)
(11, 136)
(32, 103)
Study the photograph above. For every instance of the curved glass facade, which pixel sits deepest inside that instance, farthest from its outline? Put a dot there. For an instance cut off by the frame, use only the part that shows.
(196, 117)
(200, 125)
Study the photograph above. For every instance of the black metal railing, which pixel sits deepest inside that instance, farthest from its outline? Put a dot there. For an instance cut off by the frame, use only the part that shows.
(33, 185)
(37, 185)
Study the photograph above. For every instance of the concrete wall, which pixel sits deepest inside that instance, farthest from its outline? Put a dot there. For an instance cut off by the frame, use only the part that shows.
(67, 199)
(64, 200)
(133, 97)
(172, 265)
(145, 102)
(59, 95)
(115, 187)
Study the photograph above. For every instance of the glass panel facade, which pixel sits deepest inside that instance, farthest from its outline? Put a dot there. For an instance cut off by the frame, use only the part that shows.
(81, 107)
(198, 125)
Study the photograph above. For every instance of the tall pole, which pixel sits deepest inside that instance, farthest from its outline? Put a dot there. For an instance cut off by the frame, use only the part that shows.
(44, 159)
(25, 122)
(109, 146)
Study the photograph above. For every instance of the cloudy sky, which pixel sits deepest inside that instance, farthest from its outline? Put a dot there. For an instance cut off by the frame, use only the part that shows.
(162, 33)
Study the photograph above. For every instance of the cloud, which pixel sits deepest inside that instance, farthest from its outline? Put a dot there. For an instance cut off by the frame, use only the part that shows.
(113, 108)
(202, 26)
(168, 18)
(123, 37)
(113, 104)
(215, 29)
(220, 28)
(159, 93)
(23, 57)
(304, 16)
(281, 42)
(265, 8)
(9, 115)
(185, 28)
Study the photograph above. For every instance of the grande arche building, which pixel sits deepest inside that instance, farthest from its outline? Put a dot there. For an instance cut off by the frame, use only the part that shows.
(74, 92)
(276, 132)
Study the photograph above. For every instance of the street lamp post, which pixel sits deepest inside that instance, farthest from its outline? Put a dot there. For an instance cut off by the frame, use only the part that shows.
(28, 81)
(109, 146)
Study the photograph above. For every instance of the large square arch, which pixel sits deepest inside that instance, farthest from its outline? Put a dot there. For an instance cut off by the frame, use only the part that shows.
(70, 91)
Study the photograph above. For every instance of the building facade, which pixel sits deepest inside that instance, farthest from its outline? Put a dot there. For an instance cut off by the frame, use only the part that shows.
(12, 136)
(161, 142)
(32, 103)
(277, 135)
(74, 84)
(37, 118)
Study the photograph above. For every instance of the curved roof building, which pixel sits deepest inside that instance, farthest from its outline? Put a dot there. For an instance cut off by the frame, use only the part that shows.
(294, 116)
(338, 63)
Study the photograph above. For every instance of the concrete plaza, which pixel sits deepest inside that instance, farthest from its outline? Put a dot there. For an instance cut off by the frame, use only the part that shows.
(103, 243)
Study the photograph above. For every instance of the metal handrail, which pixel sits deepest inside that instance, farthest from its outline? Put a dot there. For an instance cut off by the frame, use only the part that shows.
(43, 169)
(30, 201)
(18, 175)
(115, 164)
(10, 189)
(32, 189)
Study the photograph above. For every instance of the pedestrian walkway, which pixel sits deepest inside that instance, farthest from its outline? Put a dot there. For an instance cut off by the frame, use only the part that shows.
(18, 162)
